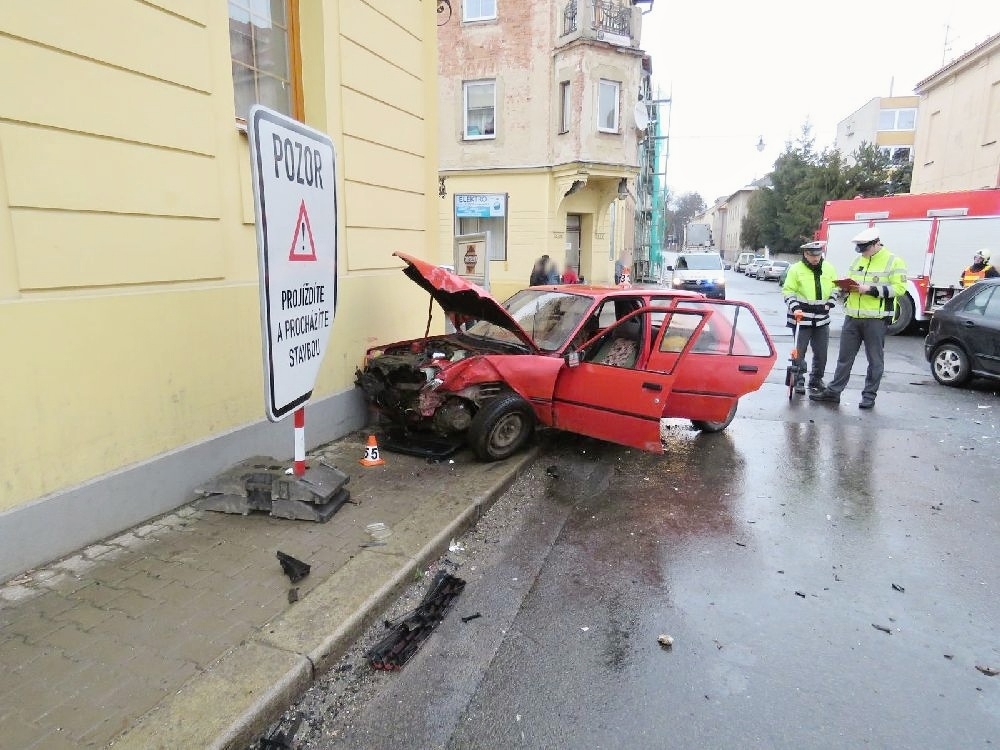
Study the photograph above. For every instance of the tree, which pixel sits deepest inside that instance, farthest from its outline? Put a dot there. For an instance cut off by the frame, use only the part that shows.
(788, 215)
(869, 175)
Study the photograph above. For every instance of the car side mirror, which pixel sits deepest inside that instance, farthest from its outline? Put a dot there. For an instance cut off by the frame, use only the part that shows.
(572, 359)
(670, 268)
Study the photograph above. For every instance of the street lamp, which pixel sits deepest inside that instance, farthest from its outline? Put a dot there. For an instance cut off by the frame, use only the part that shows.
(760, 144)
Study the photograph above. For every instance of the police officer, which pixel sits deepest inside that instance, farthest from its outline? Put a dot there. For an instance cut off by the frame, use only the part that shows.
(876, 279)
(980, 268)
(809, 288)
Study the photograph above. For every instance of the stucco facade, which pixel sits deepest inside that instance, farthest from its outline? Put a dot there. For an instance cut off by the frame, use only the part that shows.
(958, 135)
(129, 301)
(546, 150)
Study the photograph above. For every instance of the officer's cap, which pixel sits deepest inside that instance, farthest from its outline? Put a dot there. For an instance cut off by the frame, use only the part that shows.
(813, 248)
(866, 236)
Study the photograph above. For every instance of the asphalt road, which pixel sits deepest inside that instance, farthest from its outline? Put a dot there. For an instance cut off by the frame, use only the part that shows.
(827, 576)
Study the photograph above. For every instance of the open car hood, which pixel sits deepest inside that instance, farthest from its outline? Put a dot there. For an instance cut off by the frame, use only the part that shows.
(456, 295)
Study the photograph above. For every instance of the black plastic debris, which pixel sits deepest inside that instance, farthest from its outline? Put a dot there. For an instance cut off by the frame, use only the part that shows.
(420, 444)
(883, 628)
(280, 738)
(296, 570)
(553, 471)
(469, 618)
(409, 631)
(897, 587)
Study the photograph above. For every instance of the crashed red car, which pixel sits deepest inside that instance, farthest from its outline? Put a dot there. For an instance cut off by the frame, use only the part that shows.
(607, 362)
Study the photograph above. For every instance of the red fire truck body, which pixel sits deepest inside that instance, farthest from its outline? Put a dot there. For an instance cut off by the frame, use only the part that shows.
(936, 234)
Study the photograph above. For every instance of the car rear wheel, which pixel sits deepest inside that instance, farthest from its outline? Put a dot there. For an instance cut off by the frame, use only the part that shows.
(501, 427)
(706, 426)
(950, 365)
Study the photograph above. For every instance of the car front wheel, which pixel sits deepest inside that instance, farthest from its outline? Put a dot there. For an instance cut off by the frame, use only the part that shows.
(950, 365)
(706, 426)
(501, 427)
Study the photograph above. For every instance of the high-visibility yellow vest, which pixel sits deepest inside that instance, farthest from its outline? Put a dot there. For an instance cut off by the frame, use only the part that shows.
(888, 273)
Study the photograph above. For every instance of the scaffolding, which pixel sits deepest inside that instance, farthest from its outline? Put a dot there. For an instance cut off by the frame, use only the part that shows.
(651, 188)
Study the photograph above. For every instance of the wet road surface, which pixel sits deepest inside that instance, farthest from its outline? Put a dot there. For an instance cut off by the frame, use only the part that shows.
(827, 575)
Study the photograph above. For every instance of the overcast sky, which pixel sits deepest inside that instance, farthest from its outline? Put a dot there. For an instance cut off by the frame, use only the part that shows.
(737, 71)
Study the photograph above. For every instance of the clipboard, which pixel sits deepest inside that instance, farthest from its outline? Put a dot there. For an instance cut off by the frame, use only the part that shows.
(848, 285)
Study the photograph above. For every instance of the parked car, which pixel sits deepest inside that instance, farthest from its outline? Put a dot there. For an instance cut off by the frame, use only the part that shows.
(771, 270)
(742, 261)
(699, 272)
(606, 362)
(784, 275)
(753, 265)
(963, 338)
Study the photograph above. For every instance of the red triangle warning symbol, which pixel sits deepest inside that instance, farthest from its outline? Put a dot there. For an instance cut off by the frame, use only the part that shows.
(303, 246)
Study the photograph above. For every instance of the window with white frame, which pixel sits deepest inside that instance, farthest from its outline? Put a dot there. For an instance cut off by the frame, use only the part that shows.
(607, 106)
(479, 10)
(564, 107)
(897, 119)
(480, 109)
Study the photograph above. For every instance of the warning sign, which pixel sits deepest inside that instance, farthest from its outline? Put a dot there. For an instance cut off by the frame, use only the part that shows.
(294, 184)
(303, 246)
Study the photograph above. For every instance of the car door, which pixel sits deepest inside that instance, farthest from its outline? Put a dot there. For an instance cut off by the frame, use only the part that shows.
(610, 399)
(717, 352)
(980, 329)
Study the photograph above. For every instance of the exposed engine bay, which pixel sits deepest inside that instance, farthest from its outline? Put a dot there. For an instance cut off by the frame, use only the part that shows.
(403, 381)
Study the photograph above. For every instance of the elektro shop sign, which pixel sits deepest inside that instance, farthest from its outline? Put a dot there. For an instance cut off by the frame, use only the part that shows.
(295, 198)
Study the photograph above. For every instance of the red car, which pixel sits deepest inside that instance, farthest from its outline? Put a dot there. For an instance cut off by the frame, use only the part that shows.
(607, 362)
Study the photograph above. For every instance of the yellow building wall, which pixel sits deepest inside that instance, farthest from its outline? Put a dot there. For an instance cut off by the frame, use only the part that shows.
(957, 146)
(129, 303)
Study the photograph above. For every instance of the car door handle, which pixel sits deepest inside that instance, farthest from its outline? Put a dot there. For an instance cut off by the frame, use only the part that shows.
(748, 368)
(652, 386)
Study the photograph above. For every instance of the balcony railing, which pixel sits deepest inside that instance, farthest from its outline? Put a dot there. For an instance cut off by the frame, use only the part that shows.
(612, 18)
(606, 17)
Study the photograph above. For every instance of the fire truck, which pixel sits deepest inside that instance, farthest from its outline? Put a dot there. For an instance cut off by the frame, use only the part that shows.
(936, 234)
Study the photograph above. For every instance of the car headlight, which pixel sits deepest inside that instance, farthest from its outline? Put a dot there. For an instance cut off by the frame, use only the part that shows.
(720, 280)
(678, 281)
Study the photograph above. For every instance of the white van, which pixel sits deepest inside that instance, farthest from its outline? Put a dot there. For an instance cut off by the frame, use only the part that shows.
(743, 261)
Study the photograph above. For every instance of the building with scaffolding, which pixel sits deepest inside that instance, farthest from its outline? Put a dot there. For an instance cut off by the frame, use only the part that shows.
(540, 135)
(651, 229)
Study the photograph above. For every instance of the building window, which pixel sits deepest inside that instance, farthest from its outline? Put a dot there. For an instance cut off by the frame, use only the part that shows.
(564, 104)
(263, 43)
(607, 112)
(898, 154)
(479, 10)
(480, 109)
(897, 119)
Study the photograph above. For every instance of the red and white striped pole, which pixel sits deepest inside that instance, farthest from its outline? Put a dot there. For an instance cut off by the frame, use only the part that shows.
(300, 441)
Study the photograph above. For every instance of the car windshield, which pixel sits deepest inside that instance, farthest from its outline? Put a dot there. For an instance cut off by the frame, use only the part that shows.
(707, 262)
(548, 317)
